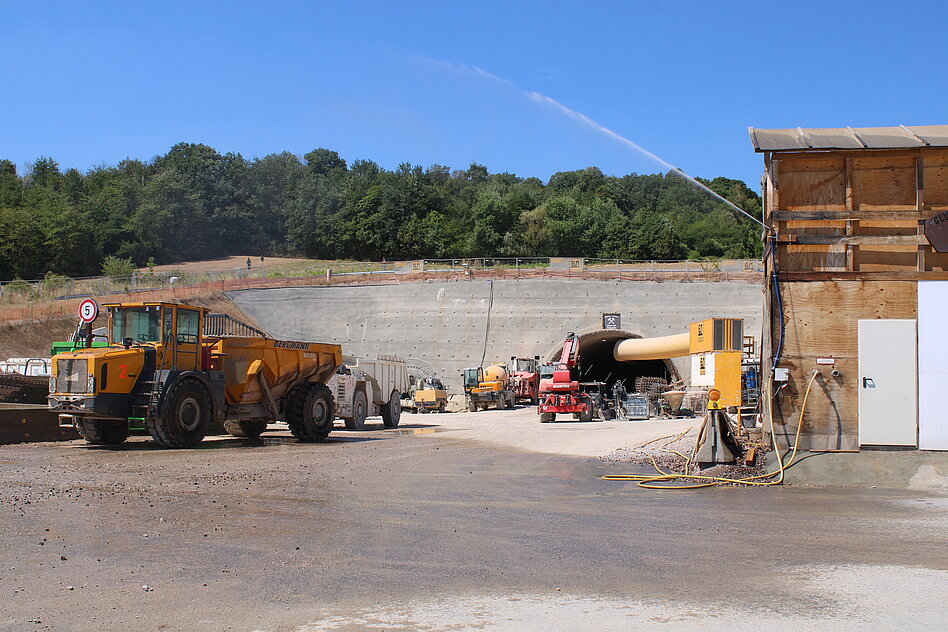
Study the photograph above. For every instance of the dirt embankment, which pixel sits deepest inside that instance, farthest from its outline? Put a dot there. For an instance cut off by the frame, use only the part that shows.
(32, 338)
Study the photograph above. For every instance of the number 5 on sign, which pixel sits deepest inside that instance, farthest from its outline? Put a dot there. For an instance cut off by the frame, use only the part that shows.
(88, 310)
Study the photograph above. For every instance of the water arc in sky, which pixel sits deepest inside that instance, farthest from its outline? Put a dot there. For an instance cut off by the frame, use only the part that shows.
(544, 100)
(582, 118)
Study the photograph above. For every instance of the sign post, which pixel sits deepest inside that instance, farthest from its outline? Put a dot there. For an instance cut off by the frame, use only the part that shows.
(88, 312)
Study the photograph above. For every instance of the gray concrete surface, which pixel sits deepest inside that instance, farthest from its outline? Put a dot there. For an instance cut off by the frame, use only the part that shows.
(412, 529)
(521, 429)
(452, 325)
(892, 469)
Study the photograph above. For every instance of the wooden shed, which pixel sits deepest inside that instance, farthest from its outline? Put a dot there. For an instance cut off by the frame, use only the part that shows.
(848, 210)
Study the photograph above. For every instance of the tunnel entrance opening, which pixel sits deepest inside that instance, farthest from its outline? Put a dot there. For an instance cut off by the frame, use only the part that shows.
(597, 364)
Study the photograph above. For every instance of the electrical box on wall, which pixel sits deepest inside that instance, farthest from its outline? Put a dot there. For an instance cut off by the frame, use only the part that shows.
(720, 370)
(781, 374)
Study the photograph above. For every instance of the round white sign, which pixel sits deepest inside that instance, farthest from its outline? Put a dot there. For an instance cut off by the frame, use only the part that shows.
(88, 310)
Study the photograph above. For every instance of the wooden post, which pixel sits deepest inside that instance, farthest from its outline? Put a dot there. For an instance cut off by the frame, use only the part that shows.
(920, 206)
(850, 225)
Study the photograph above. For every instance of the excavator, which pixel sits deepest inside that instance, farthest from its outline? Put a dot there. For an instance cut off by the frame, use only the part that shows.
(561, 393)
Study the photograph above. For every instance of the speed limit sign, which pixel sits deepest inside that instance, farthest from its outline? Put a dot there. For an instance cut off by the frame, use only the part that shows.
(88, 310)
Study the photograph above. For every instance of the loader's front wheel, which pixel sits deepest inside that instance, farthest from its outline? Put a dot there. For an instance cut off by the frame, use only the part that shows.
(245, 428)
(184, 417)
(103, 432)
(310, 413)
(546, 418)
(392, 411)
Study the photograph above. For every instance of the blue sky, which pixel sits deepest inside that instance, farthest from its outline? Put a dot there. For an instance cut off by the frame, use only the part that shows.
(426, 83)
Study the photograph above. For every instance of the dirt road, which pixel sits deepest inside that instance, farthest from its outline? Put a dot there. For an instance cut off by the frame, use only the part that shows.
(417, 529)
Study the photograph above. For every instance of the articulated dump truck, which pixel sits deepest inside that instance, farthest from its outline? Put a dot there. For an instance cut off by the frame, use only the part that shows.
(173, 369)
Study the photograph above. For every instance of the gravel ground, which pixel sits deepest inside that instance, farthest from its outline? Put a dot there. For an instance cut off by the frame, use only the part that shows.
(419, 529)
(661, 452)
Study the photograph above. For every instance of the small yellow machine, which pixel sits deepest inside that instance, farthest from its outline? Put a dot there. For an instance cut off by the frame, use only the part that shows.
(173, 369)
(430, 395)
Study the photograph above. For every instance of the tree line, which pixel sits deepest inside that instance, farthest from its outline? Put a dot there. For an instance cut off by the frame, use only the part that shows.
(195, 203)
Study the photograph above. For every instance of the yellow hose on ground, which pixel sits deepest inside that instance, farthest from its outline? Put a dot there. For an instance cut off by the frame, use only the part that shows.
(651, 482)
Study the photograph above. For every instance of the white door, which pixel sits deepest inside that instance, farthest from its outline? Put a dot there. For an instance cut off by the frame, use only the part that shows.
(932, 365)
(888, 385)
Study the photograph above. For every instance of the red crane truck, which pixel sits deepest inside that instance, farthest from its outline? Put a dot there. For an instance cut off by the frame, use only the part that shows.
(561, 393)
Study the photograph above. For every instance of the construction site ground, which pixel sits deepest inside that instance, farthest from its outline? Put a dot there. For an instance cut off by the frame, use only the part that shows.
(520, 428)
(426, 527)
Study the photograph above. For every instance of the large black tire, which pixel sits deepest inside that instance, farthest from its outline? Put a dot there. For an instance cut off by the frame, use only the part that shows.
(310, 412)
(585, 416)
(510, 401)
(360, 410)
(245, 428)
(392, 411)
(184, 416)
(471, 406)
(546, 418)
(103, 432)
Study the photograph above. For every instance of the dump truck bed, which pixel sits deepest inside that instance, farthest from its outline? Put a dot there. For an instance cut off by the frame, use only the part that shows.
(282, 363)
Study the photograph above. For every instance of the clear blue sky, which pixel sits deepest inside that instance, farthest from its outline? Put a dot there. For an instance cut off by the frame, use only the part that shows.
(93, 83)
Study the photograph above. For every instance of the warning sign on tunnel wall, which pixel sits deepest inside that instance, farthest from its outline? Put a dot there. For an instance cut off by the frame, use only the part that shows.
(611, 321)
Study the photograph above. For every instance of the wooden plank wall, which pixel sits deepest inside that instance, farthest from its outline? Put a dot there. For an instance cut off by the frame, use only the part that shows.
(850, 246)
(821, 322)
(853, 212)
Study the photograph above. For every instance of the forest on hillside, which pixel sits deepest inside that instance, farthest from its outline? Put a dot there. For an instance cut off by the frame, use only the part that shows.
(195, 203)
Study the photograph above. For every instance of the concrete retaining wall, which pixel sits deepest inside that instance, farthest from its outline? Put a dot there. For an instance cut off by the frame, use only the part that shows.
(452, 325)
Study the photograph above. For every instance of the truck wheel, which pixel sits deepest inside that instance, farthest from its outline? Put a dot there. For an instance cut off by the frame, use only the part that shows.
(311, 412)
(546, 418)
(510, 402)
(587, 415)
(101, 432)
(392, 411)
(245, 427)
(360, 409)
(471, 407)
(184, 417)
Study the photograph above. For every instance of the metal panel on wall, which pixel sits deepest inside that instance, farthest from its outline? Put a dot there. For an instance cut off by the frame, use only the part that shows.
(932, 365)
(888, 385)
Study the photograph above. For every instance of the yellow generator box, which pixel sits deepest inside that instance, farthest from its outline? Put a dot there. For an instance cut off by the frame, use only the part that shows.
(720, 370)
(717, 334)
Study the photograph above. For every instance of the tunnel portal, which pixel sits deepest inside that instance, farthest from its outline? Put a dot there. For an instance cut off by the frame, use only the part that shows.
(597, 363)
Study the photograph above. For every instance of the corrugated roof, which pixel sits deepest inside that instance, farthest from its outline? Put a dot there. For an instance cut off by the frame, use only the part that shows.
(803, 139)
